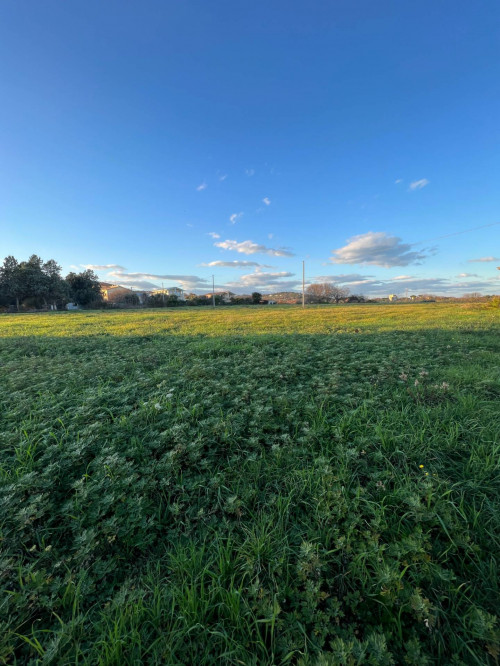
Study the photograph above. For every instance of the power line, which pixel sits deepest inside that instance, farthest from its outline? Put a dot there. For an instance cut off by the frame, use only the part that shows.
(457, 233)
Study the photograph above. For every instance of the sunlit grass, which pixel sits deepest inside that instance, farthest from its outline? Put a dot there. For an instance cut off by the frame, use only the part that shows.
(250, 486)
(254, 320)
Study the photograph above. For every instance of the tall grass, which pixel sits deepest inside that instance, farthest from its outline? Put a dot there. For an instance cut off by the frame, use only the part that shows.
(250, 486)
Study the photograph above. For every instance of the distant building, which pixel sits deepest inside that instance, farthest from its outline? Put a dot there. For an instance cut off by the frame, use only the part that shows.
(142, 296)
(171, 291)
(393, 297)
(115, 293)
(354, 299)
(225, 296)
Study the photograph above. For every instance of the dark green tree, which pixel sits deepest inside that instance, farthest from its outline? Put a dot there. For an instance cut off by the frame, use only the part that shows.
(10, 281)
(57, 289)
(256, 298)
(84, 287)
(132, 299)
(34, 282)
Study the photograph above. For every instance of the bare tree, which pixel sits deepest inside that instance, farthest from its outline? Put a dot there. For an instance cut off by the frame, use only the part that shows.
(325, 292)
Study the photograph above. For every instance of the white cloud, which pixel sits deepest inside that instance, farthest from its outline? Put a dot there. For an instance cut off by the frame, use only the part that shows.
(376, 249)
(270, 236)
(201, 187)
(236, 264)
(151, 279)
(223, 177)
(104, 267)
(343, 278)
(483, 259)
(235, 217)
(399, 180)
(467, 275)
(213, 234)
(403, 277)
(267, 201)
(250, 172)
(419, 184)
(249, 247)
(265, 282)
(373, 287)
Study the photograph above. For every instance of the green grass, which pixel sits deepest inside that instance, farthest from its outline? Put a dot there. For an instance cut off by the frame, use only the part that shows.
(243, 486)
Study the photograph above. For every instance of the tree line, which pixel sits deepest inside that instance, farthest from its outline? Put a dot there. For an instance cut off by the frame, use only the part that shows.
(36, 283)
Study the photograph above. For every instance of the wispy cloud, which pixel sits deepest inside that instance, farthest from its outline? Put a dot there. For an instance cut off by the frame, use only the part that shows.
(223, 177)
(265, 281)
(343, 278)
(150, 280)
(235, 217)
(104, 267)
(483, 260)
(370, 286)
(399, 180)
(235, 264)
(213, 234)
(419, 184)
(402, 277)
(201, 187)
(249, 247)
(467, 275)
(267, 201)
(250, 172)
(376, 249)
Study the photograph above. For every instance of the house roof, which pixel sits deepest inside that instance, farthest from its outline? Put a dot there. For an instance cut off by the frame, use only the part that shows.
(107, 286)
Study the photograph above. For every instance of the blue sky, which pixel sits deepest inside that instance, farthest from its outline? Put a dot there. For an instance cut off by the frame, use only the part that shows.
(155, 138)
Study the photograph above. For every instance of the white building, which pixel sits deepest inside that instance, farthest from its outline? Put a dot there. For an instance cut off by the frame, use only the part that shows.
(171, 291)
(393, 297)
(225, 296)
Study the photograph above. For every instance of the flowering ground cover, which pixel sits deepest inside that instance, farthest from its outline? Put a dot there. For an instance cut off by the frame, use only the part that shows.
(251, 486)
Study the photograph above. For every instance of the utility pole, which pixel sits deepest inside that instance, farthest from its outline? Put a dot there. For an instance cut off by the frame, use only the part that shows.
(303, 284)
(213, 291)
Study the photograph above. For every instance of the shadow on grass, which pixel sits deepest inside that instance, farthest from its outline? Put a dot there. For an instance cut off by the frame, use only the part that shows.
(250, 499)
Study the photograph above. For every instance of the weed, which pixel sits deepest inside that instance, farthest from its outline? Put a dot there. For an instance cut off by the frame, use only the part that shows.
(250, 486)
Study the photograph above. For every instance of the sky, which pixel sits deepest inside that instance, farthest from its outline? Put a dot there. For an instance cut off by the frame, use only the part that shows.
(163, 142)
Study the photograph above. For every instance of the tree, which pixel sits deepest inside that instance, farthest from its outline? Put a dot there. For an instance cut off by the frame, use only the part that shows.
(84, 287)
(34, 279)
(325, 292)
(256, 298)
(34, 282)
(57, 288)
(132, 299)
(10, 281)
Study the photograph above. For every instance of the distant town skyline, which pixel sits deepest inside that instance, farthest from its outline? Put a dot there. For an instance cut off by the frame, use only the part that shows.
(166, 142)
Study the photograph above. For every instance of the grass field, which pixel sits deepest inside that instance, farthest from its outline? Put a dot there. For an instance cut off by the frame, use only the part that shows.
(251, 486)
